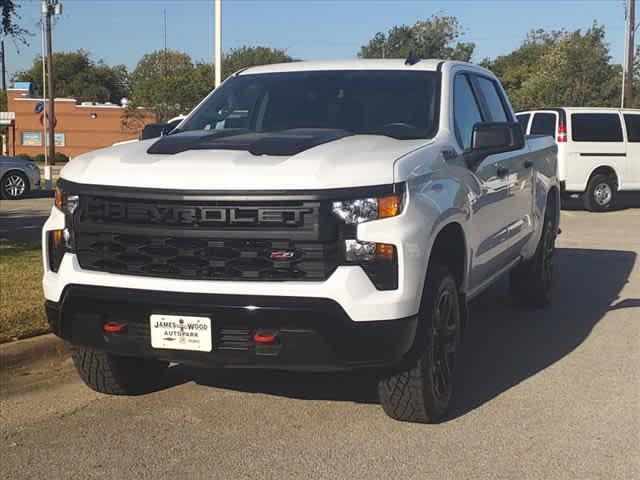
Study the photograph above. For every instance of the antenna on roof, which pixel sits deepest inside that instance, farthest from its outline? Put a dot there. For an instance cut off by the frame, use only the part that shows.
(412, 59)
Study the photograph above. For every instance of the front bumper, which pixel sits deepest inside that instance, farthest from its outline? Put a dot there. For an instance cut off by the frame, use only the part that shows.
(313, 333)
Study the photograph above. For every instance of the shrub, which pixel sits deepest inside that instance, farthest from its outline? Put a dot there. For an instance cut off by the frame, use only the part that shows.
(39, 158)
(61, 158)
(24, 156)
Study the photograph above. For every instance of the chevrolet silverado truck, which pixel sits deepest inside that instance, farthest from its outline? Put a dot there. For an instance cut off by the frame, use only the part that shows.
(306, 216)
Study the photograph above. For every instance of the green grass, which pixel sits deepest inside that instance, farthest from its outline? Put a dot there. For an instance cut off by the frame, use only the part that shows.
(21, 298)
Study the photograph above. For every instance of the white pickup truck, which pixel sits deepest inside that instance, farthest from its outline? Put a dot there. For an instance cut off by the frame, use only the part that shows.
(305, 216)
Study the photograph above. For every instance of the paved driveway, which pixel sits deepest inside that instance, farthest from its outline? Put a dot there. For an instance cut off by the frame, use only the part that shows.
(22, 220)
(549, 394)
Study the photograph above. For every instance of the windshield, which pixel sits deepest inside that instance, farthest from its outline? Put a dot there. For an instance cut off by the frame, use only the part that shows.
(396, 103)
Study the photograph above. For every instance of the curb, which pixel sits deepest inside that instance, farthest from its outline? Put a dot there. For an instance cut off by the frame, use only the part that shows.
(22, 353)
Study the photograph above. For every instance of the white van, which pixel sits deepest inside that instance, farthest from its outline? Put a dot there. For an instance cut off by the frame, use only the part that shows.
(598, 150)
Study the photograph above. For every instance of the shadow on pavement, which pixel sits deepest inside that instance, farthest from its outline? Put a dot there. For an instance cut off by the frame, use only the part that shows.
(503, 345)
(623, 201)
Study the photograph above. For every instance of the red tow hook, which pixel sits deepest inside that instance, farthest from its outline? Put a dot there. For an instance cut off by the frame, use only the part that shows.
(114, 327)
(265, 337)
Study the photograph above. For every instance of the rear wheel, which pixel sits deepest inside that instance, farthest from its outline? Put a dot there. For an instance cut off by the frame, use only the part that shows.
(600, 194)
(14, 185)
(115, 375)
(532, 281)
(422, 389)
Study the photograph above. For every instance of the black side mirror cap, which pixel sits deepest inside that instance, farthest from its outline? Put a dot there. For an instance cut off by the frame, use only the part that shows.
(153, 130)
(490, 138)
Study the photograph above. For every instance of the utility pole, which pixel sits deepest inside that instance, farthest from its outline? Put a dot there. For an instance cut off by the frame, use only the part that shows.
(627, 85)
(218, 42)
(4, 68)
(51, 8)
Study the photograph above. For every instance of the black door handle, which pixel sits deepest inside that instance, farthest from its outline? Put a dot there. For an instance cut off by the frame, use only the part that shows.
(528, 163)
(502, 172)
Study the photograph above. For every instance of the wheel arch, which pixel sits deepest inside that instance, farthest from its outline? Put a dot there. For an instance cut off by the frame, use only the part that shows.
(604, 170)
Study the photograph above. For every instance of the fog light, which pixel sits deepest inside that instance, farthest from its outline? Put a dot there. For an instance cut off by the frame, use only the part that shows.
(356, 251)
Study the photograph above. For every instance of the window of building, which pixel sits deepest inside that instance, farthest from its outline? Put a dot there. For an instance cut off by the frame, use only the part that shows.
(31, 139)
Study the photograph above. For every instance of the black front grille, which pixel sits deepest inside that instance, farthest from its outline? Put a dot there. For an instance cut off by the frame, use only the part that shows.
(213, 241)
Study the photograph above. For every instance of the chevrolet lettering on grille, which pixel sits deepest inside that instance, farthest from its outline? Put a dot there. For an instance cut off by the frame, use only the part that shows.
(121, 212)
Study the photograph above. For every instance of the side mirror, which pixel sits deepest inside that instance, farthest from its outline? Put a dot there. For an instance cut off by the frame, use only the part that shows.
(153, 130)
(491, 138)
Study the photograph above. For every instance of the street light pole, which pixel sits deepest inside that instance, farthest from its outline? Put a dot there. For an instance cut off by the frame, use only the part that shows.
(218, 42)
(51, 121)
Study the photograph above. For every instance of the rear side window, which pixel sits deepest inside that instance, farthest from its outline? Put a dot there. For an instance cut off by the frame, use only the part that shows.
(493, 99)
(466, 112)
(633, 127)
(544, 124)
(596, 127)
(523, 120)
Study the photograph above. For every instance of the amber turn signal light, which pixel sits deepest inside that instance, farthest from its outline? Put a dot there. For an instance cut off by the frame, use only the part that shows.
(385, 251)
(59, 199)
(388, 206)
(58, 238)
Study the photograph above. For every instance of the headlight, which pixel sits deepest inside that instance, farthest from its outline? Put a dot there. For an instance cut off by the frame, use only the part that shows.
(366, 209)
(66, 203)
(32, 166)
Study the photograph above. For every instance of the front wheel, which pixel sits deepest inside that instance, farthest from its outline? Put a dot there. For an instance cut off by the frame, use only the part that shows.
(115, 375)
(422, 389)
(14, 185)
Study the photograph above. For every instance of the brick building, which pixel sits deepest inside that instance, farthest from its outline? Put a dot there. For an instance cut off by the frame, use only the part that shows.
(80, 126)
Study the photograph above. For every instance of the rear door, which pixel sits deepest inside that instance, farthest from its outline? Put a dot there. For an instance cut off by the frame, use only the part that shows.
(544, 123)
(595, 140)
(632, 126)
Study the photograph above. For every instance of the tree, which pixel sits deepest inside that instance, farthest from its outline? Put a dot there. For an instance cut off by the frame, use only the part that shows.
(243, 57)
(8, 25)
(560, 68)
(164, 80)
(78, 76)
(435, 37)
(172, 84)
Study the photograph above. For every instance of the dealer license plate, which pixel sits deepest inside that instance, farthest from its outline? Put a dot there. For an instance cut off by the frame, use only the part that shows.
(178, 332)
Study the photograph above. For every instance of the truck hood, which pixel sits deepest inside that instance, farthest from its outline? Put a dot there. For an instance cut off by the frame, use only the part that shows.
(349, 161)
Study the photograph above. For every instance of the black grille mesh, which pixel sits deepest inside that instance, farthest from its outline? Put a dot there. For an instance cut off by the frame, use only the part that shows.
(201, 251)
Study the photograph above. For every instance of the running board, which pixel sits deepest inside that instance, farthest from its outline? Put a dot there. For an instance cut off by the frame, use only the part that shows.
(471, 294)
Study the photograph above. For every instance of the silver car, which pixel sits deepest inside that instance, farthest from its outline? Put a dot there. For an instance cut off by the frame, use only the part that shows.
(17, 177)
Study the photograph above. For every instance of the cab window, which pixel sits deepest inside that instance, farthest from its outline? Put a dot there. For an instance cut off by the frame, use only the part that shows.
(523, 120)
(466, 112)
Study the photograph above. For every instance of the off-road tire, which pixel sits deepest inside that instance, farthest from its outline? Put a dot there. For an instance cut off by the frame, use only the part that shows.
(600, 194)
(114, 375)
(531, 282)
(410, 393)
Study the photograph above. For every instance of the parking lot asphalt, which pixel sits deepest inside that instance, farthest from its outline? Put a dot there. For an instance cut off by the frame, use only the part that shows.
(22, 220)
(549, 394)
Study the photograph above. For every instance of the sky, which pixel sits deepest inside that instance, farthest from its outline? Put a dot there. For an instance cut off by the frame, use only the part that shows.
(122, 31)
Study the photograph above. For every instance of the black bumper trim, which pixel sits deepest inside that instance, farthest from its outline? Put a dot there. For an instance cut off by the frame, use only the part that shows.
(315, 334)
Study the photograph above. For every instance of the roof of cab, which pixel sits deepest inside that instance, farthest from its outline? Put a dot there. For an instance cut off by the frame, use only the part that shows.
(354, 64)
